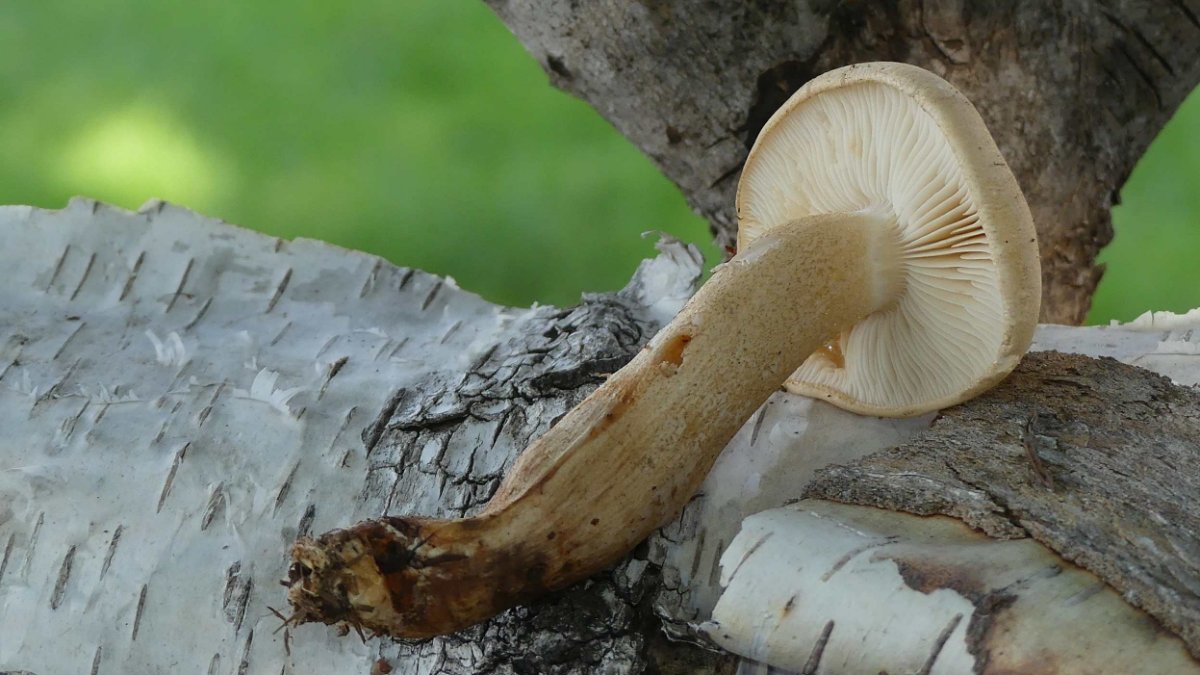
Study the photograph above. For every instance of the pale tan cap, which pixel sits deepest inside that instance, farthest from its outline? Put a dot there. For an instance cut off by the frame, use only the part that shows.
(896, 138)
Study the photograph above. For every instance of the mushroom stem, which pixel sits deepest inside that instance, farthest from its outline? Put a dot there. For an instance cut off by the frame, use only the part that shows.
(625, 460)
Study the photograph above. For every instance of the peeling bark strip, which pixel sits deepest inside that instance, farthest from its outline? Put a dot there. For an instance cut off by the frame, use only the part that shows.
(1073, 92)
(1122, 446)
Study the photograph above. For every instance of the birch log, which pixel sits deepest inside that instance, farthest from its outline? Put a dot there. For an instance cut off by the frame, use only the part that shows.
(180, 398)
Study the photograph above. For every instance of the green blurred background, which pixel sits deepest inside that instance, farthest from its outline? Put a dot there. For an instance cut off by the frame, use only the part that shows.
(415, 129)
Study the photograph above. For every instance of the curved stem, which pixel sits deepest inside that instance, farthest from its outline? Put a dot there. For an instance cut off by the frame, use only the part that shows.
(625, 460)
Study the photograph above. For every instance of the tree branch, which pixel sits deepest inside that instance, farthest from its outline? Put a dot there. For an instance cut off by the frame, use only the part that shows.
(1072, 92)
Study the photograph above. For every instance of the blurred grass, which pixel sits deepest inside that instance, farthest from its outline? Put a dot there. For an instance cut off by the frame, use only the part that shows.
(418, 130)
(1154, 259)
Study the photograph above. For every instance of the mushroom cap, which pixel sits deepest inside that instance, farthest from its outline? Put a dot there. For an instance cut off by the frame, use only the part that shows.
(894, 137)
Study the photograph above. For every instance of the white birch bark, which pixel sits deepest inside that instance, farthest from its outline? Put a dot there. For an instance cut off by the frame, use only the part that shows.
(180, 398)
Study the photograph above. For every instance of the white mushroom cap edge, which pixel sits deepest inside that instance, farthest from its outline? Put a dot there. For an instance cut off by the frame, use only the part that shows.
(901, 142)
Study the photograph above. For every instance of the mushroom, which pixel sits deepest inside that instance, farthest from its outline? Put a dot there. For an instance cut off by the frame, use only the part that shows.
(899, 147)
(882, 233)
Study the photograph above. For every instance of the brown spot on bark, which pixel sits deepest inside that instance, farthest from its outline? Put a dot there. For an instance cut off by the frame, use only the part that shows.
(928, 576)
(988, 620)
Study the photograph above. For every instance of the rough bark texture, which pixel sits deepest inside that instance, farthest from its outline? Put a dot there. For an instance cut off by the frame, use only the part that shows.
(1097, 460)
(1073, 91)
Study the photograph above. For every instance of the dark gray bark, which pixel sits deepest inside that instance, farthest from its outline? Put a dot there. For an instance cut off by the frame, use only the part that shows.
(1073, 91)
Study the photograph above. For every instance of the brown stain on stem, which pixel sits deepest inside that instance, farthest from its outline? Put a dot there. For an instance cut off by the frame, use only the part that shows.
(628, 395)
(832, 350)
(672, 351)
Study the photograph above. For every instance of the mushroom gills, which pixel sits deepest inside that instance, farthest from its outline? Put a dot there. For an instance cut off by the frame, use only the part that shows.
(897, 138)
